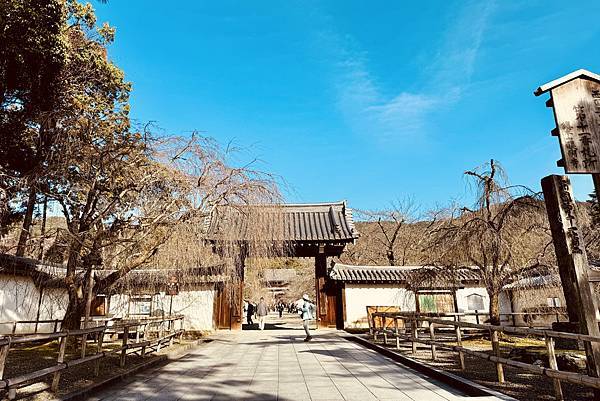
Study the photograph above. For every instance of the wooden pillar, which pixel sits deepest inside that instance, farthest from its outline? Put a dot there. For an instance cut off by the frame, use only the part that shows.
(236, 304)
(455, 301)
(236, 297)
(572, 263)
(417, 302)
(321, 295)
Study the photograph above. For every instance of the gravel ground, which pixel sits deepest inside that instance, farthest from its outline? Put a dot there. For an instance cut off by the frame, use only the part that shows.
(518, 383)
(29, 359)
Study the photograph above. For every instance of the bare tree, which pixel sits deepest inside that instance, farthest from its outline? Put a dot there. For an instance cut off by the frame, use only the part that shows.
(390, 236)
(505, 237)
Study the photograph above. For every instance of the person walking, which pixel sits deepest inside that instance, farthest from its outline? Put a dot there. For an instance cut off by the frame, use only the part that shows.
(307, 315)
(250, 312)
(262, 311)
(280, 308)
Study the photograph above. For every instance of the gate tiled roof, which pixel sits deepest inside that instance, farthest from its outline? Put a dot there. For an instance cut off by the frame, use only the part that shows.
(311, 223)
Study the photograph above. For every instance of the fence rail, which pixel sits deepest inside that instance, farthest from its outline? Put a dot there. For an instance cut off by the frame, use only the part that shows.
(406, 326)
(15, 323)
(164, 328)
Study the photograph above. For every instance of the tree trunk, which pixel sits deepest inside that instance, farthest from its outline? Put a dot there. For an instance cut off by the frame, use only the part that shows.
(22, 245)
(494, 307)
(76, 307)
(74, 312)
(391, 257)
(43, 228)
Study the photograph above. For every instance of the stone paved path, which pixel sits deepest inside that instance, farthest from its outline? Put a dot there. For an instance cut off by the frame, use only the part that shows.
(278, 365)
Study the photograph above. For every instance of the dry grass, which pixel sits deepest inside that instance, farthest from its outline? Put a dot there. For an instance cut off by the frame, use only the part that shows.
(28, 359)
(519, 383)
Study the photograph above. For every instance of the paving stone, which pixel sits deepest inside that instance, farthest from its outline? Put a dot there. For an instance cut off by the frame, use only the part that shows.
(278, 365)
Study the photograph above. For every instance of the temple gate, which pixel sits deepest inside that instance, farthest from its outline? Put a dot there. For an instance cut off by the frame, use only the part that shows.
(318, 230)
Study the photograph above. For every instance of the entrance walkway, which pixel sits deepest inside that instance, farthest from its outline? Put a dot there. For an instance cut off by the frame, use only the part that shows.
(278, 365)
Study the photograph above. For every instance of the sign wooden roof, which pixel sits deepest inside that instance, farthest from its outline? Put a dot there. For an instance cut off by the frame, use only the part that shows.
(575, 99)
(563, 80)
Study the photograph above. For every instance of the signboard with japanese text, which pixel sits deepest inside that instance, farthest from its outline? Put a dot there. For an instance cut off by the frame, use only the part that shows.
(577, 112)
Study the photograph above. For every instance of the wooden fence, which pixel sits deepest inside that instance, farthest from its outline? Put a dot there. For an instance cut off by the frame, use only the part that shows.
(14, 324)
(406, 326)
(163, 328)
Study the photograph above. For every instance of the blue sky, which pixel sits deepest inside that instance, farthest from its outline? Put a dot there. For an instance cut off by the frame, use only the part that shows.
(365, 101)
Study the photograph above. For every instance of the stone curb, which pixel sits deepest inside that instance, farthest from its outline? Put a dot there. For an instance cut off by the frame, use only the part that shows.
(83, 393)
(468, 387)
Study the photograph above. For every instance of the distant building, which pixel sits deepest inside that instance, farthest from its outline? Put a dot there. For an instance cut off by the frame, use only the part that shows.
(277, 281)
(32, 290)
(534, 301)
(362, 286)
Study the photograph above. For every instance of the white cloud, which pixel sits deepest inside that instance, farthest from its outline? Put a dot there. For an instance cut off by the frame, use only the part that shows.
(405, 115)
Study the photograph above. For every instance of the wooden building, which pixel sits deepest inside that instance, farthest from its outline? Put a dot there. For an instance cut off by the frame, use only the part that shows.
(277, 281)
(405, 288)
(32, 290)
(316, 230)
(534, 301)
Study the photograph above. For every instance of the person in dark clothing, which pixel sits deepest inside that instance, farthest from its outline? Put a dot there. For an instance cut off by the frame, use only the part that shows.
(250, 313)
(280, 308)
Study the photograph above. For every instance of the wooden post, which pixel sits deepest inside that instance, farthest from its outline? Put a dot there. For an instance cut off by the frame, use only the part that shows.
(55, 326)
(477, 316)
(322, 312)
(383, 324)
(415, 335)
(461, 355)
(496, 350)
(124, 350)
(553, 365)
(37, 315)
(572, 263)
(396, 332)
(14, 328)
(59, 360)
(3, 356)
(374, 327)
(432, 337)
(99, 350)
(160, 335)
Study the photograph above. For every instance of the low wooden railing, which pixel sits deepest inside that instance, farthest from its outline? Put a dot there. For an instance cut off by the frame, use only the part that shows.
(164, 329)
(406, 326)
(55, 323)
(482, 316)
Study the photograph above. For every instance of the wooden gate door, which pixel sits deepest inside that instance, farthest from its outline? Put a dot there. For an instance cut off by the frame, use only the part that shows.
(221, 309)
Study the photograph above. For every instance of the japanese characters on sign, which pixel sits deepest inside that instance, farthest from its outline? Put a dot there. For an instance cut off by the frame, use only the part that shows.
(569, 220)
(577, 112)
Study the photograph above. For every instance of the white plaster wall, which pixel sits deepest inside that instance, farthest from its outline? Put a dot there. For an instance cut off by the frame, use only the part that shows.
(463, 306)
(359, 296)
(196, 305)
(463, 293)
(118, 305)
(19, 299)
